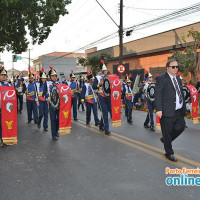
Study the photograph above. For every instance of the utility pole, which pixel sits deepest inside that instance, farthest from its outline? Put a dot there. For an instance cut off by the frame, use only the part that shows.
(12, 69)
(121, 34)
(120, 27)
(29, 59)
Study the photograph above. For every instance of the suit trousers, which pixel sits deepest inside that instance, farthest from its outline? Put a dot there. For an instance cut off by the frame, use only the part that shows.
(171, 128)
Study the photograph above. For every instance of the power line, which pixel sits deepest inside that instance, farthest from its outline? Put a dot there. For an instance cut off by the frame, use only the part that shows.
(86, 46)
(149, 8)
(182, 12)
(173, 15)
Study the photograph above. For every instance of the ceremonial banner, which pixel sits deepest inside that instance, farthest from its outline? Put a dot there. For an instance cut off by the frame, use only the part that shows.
(8, 115)
(194, 101)
(65, 109)
(115, 86)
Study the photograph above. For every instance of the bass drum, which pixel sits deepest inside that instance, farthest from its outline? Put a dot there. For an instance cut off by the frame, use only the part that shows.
(106, 86)
(151, 92)
(186, 93)
(54, 97)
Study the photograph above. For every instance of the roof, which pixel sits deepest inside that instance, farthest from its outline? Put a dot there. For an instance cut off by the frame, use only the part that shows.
(64, 54)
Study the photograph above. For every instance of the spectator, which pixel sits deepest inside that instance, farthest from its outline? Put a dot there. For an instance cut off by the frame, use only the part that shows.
(189, 107)
(138, 104)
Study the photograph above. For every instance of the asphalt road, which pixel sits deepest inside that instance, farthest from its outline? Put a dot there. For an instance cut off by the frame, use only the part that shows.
(88, 165)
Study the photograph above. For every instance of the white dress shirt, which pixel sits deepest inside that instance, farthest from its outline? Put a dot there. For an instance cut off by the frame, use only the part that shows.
(178, 105)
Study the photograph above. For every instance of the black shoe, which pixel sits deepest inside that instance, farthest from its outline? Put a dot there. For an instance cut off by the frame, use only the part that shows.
(39, 126)
(171, 157)
(146, 126)
(20, 112)
(29, 122)
(54, 138)
(83, 110)
(45, 129)
(101, 129)
(36, 122)
(75, 119)
(88, 123)
(97, 124)
(161, 139)
(107, 132)
(152, 129)
(130, 122)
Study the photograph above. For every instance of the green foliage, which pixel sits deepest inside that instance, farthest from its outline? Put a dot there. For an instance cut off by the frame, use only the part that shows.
(94, 61)
(82, 61)
(188, 58)
(35, 17)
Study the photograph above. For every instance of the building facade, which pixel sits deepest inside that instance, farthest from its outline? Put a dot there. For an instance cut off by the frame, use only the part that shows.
(63, 63)
(148, 54)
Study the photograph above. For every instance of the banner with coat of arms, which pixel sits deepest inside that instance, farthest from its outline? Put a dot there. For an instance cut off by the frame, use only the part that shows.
(9, 114)
(115, 86)
(194, 101)
(65, 109)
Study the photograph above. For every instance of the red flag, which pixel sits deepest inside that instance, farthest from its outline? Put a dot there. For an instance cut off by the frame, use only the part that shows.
(65, 109)
(115, 100)
(194, 101)
(9, 114)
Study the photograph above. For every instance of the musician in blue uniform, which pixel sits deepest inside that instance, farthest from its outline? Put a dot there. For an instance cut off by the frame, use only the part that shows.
(19, 85)
(104, 102)
(80, 87)
(54, 113)
(43, 104)
(149, 118)
(123, 85)
(3, 82)
(73, 86)
(31, 99)
(88, 95)
(127, 96)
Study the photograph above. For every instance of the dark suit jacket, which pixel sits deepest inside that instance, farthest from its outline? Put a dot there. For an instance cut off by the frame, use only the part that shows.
(165, 95)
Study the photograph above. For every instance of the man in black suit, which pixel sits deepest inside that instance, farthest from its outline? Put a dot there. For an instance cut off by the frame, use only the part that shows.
(170, 106)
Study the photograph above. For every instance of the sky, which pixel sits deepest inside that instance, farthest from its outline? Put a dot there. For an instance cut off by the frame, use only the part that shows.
(87, 22)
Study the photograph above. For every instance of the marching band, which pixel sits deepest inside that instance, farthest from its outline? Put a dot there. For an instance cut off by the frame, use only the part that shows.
(92, 93)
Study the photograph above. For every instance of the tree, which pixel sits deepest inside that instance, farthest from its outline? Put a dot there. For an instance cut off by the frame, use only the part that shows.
(188, 59)
(94, 61)
(33, 17)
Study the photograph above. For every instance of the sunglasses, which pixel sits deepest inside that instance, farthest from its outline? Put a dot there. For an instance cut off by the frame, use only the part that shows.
(173, 67)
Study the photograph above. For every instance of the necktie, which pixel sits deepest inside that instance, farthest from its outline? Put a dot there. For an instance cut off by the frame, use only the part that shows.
(177, 90)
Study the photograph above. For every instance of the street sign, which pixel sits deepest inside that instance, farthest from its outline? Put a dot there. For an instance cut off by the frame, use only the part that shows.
(121, 69)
